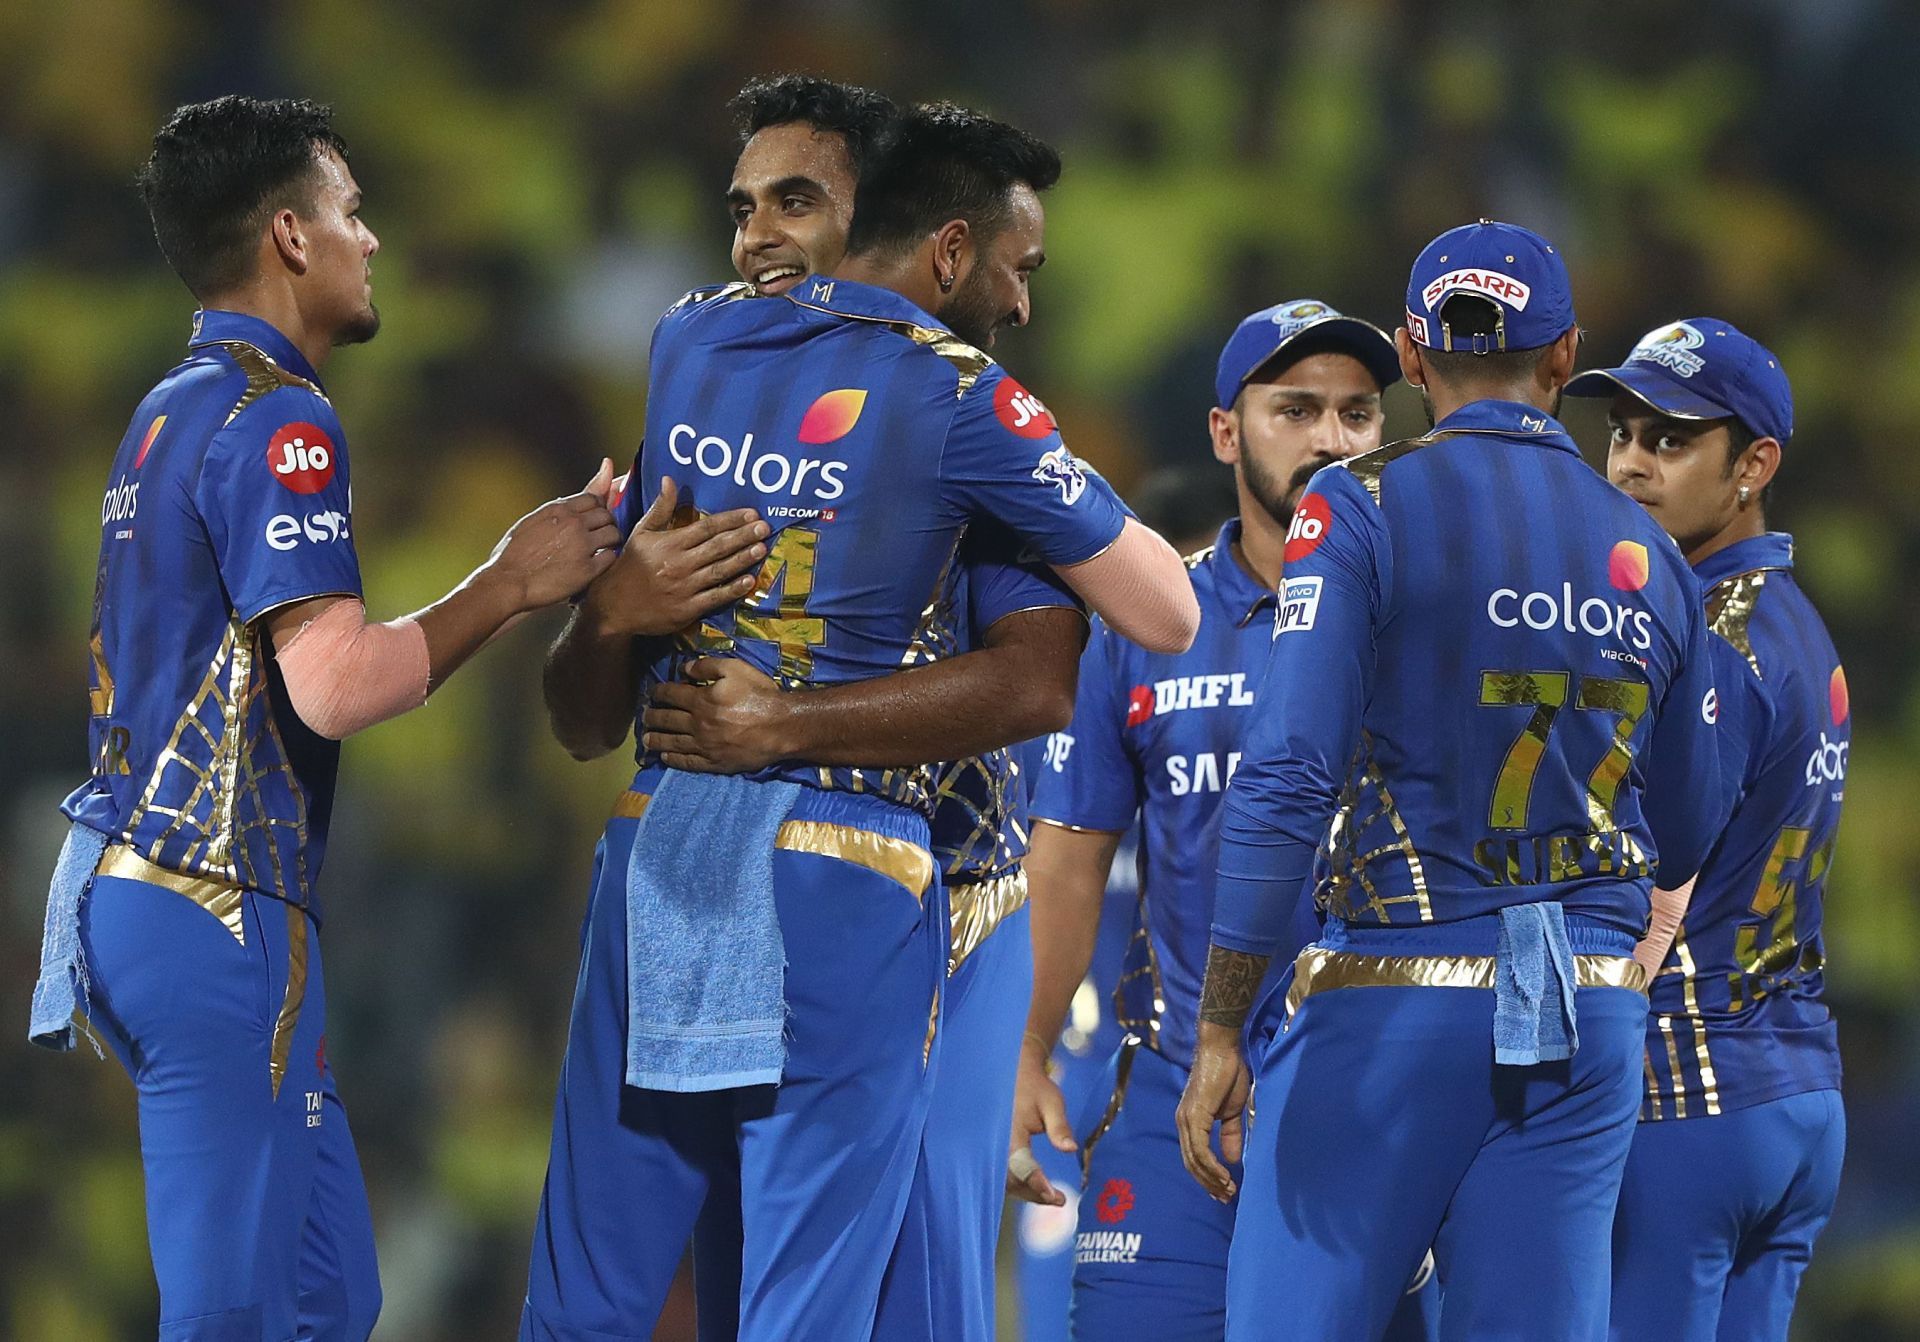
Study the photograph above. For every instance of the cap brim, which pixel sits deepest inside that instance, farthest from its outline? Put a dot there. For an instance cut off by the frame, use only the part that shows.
(1351, 335)
(1652, 384)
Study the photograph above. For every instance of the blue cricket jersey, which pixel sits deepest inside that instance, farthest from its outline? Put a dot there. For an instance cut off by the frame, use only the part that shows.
(1159, 735)
(1737, 1012)
(869, 437)
(1490, 686)
(228, 498)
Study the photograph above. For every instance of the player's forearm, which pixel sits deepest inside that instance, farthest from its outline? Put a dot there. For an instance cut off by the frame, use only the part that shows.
(1067, 879)
(1139, 585)
(460, 623)
(1669, 911)
(591, 686)
(950, 709)
(1233, 977)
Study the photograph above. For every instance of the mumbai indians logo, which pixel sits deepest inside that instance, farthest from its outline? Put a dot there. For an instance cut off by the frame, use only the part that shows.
(1671, 347)
(1060, 467)
(1299, 312)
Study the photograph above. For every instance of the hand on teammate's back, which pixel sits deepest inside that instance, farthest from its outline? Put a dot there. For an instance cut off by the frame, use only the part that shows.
(667, 575)
(557, 549)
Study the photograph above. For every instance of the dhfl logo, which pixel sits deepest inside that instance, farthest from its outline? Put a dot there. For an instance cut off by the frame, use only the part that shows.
(833, 416)
(146, 443)
(1627, 566)
(1309, 527)
(1021, 411)
(1837, 702)
(1114, 1202)
(1487, 283)
(1139, 705)
(301, 457)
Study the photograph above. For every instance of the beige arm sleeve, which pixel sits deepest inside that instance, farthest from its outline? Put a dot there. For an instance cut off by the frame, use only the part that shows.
(343, 675)
(1669, 911)
(1140, 587)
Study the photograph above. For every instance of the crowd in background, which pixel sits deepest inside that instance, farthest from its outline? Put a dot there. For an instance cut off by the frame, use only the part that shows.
(546, 179)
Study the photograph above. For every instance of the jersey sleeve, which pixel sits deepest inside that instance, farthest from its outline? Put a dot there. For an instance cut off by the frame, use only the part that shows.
(1689, 794)
(1004, 459)
(275, 498)
(1306, 716)
(999, 584)
(1089, 779)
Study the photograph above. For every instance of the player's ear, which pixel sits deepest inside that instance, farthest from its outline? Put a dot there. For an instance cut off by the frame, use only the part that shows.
(1758, 464)
(1556, 370)
(1410, 366)
(1225, 432)
(289, 240)
(953, 248)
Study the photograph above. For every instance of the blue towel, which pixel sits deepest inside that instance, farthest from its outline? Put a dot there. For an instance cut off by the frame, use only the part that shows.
(62, 987)
(1533, 1013)
(706, 964)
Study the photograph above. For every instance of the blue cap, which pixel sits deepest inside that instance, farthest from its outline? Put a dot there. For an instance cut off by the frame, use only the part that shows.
(1702, 368)
(1265, 335)
(1514, 268)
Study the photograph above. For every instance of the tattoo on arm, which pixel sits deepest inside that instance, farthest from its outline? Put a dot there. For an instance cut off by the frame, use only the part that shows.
(1232, 979)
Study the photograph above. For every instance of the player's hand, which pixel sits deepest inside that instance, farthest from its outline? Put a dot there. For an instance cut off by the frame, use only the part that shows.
(558, 548)
(1217, 1091)
(730, 719)
(1038, 1106)
(668, 576)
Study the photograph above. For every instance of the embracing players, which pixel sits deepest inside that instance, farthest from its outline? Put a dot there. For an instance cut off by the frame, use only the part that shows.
(230, 652)
(1736, 1160)
(1490, 701)
(1158, 736)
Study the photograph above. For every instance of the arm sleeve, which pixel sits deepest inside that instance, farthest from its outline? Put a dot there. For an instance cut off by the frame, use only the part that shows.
(999, 584)
(1090, 780)
(275, 497)
(1004, 459)
(1689, 794)
(1305, 720)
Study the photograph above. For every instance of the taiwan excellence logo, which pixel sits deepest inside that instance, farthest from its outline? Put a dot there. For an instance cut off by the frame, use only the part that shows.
(1114, 1202)
(301, 457)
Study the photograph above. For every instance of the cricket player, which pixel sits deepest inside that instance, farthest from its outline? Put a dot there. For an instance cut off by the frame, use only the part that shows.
(758, 1005)
(1158, 737)
(1491, 696)
(1018, 645)
(229, 653)
(1736, 1160)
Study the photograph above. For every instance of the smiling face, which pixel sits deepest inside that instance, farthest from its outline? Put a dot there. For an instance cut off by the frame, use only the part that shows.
(340, 251)
(791, 203)
(995, 290)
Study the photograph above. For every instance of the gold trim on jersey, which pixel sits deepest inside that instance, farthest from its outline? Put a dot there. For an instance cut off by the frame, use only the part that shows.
(296, 997)
(221, 899)
(1674, 1094)
(1321, 969)
(900, 860)
(1368, 467)
(262, 373)
(1348, 868)
(967, 361)
(1730, 606)
(1122, 1075)
(977, 908)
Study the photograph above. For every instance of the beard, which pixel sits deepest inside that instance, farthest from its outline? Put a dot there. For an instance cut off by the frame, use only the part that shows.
(1278, 498)
(360, 328)
(970, 314)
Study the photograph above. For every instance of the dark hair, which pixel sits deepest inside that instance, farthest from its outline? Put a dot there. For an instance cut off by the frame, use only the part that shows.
(944, 162)
(859, 116)
(218, 169)
(1467, 316)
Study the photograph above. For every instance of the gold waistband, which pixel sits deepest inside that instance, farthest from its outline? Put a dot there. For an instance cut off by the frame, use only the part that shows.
(220, 898)
(977, 907)
(897, 859)
(1320, 970)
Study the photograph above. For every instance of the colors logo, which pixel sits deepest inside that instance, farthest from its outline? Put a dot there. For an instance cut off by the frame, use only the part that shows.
(1627, 567)
(1308, 528)
(301, 457)
(1837, 702)
(1021, 411)
(146, 443)
(833, 416)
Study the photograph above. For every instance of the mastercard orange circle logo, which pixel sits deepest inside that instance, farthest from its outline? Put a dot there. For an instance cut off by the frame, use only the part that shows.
(1837, 695)
(1627, 566)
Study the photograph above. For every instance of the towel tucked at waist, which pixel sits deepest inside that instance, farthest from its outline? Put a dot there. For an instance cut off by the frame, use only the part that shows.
(62, 987)
(706, 964)
(1533, 989)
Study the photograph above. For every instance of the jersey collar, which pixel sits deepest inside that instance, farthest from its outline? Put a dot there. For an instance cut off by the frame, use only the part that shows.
(213, 325)
(849, 298)
(1507, 419)
(1770, 549)
(1240, 593)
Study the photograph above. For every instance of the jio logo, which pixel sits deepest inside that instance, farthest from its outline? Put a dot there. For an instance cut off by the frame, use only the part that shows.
(301, 458)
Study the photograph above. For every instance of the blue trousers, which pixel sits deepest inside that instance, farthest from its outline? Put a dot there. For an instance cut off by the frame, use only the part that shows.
(1717, 1219)
(940, 1284)
(811, 1175)
(1382, 1126)
(257, 1215)
(1152, 1248)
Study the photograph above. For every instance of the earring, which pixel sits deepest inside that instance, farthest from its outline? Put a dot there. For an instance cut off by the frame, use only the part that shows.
(946, 284)
(1745, 493)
